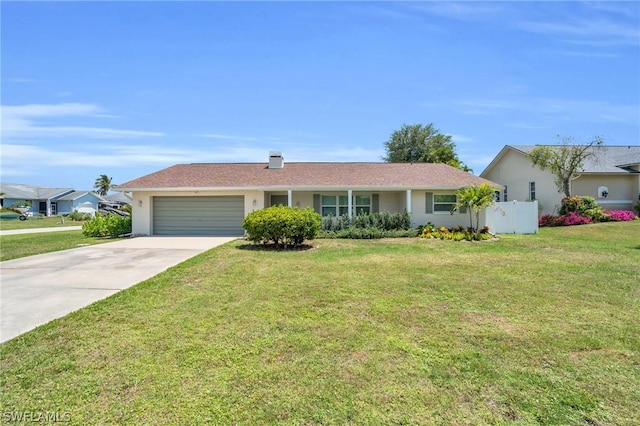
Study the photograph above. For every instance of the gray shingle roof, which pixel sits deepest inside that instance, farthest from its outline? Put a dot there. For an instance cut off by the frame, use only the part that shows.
(30, 192)
(609, 159)
(77, 194)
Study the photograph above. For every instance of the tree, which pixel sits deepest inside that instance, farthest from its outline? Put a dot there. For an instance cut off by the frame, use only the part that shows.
(424, 144)
(565, 160)
(475, 199)
(103, 184)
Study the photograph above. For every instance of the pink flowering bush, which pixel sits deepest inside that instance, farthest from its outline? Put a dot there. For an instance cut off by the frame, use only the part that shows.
(547, 220)
(621, 215)
(572, 218)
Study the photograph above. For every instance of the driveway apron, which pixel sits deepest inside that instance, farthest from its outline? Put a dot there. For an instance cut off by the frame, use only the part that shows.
(37, 289)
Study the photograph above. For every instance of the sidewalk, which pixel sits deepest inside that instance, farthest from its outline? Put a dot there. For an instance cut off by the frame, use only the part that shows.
(39, 230)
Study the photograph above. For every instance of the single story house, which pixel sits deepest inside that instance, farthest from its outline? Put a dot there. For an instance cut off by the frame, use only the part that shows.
(214, 198)
(612, 177)
(42, 200)
(117, 199)
(79, 200)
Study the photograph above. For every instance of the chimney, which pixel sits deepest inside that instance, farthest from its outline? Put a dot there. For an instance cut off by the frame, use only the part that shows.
(276, 160)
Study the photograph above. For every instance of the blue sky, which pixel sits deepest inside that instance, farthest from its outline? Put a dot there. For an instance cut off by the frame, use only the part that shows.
(128, 88)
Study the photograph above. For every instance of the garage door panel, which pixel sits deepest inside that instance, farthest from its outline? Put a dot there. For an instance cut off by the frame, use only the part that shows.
(216, 215)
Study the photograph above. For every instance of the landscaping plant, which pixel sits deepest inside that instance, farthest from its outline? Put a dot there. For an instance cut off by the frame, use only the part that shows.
(112, 226)
(282, 226)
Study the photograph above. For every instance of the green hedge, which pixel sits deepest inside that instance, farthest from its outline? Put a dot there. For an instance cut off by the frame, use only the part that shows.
(112, 226)
(384, 221)
(368, 233)
(281, 225)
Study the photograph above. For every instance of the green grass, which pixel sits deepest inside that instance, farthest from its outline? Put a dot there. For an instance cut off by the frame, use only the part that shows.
(45, 222)
(21, 245)
(538, 329)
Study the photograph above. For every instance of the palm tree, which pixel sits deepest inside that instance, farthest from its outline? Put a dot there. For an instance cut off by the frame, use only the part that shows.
(103, 184)
(475, 198)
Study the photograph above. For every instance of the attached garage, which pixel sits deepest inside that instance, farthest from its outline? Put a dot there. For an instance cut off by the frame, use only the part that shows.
(215, 215)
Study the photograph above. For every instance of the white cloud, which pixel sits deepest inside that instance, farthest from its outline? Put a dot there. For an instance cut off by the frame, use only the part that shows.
(588, 28)
(229, 137)
(562, 109)
(21, 122)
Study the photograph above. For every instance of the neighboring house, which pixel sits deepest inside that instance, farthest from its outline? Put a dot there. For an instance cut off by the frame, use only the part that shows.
(79, 200)
(214, 198)
(43, 199)
(612, 178)
(117, 199)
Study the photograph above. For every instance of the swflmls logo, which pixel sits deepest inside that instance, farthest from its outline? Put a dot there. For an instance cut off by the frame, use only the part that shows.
(35, 417)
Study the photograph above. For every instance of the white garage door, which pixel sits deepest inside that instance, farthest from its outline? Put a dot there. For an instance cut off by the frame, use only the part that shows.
(221, 215)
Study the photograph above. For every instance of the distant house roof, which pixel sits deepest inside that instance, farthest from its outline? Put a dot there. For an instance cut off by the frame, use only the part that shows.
(609, 159)
(118, 197)
(77, 194)
(305, 176)
(30, 192)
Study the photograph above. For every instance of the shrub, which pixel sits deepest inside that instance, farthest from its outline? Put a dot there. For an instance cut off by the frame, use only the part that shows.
(368, 233)
(111, 226)
(383, 221)
(281, 225)
(457, 233)
(548, 220)
(572, 218)
(582, 205)
(75, 215)
(621, 215)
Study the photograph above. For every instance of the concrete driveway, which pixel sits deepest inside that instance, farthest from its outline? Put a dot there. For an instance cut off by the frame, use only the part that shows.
(37, 289)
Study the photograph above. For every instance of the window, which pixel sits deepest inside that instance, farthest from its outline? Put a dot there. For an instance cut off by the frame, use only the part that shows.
(532, 191)
(362, 204)
(443, 203)
(496, 196)
(504, 194)
(337, 205)
(279, 200)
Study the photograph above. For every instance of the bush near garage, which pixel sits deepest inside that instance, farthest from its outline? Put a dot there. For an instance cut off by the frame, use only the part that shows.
(282, 226)
(111, 226)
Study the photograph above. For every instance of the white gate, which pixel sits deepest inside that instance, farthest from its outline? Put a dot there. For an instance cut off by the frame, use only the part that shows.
(513, 217)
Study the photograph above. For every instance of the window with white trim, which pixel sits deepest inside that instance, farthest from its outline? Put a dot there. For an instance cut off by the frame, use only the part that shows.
(362, 204)
(337, 205)
(443, 203)
(334, 205)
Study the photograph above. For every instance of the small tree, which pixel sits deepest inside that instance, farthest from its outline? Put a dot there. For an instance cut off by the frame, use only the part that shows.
(103, 184)
(564, 160)
(475, 199)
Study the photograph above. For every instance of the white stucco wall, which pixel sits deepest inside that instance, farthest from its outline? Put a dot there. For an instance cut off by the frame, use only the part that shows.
(515, 171)
(623, 190)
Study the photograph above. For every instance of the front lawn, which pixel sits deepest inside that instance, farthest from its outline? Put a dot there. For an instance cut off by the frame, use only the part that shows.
(21, 245)
(537, 329)
(34, 222)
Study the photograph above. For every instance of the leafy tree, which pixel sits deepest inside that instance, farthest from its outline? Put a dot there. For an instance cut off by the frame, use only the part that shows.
(564, 160)
(423, 144)
(103, 184)
(475, 199)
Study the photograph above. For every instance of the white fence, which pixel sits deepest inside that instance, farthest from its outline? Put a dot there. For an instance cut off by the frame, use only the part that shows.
(513, 217)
